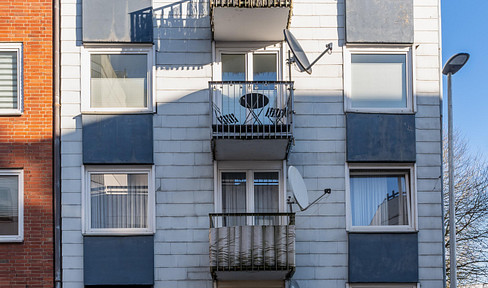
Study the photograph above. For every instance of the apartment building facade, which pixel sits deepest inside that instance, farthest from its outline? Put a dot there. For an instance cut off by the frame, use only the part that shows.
(180, 121)
(26, 202)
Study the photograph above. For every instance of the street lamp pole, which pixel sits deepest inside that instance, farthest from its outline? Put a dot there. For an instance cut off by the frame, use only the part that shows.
(452, 199)
(453, 65)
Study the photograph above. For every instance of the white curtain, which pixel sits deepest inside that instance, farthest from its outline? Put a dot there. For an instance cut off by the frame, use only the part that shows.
(378, 200)
(119, 200)
(9, 204)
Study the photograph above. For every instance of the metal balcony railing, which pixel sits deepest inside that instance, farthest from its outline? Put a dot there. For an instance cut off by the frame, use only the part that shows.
(252, 109)
(250, 3)
(252, 242)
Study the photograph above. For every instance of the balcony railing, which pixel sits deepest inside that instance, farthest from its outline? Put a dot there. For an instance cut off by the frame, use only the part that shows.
(250, 242)
(252, 109)
(250, 3)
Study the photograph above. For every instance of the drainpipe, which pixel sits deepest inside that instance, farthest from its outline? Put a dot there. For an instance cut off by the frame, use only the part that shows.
(57, 144)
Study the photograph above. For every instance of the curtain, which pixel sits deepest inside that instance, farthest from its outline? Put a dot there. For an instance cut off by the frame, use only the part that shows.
(266, 196)
(119, 200)
(234, 197)
(9, 204)
(378, 200)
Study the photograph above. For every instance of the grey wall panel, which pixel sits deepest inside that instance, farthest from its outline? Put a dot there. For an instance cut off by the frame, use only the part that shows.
(383, 258)
(385, 21)
(118, 260)
(117, 21)
(380, 137)
(118, 139)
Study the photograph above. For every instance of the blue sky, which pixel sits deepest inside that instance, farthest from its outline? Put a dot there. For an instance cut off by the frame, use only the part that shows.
(465, 29)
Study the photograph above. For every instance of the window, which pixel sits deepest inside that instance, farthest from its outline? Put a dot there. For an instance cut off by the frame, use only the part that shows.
(378, 80)
(11, 205)
(248, 189)
(10, 78)
(119, 200)
(381, 198)
(261, 98)
(117, 80)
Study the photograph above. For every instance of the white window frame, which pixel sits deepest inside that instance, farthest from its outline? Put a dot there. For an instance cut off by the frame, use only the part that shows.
(86, 53)
(86, 203)
(20, 176)
(249, 167)
(249, 52)
(18, 48)
(412, 183)
(393, 50)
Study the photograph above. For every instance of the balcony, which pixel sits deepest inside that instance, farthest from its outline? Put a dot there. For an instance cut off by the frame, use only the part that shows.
(251, 120)
(264, 20)
(258, 246)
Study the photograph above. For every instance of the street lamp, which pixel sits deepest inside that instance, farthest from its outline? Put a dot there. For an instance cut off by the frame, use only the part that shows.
(452, 65)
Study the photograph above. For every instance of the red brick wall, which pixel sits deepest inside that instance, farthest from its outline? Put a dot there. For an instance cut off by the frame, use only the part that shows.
(26, 142)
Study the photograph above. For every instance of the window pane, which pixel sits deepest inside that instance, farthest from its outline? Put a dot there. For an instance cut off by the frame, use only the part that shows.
(119, 200)
(266, 196)
(233, 67)
(118, 81)
(9, 205)
(8, 80)
(234, 197)
(379, 200)
(264, 66)
(378, 81)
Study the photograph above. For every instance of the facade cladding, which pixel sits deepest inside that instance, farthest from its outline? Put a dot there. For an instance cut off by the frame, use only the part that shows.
(26, 202)
(177, 138)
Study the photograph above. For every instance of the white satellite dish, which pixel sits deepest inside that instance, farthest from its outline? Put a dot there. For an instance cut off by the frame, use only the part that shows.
(299, 56)
(299, 189)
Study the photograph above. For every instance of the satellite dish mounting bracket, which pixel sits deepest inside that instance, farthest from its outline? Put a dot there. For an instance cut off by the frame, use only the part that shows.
(290, 201)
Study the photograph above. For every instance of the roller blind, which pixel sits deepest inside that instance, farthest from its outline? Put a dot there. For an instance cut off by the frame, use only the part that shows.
(8, 80)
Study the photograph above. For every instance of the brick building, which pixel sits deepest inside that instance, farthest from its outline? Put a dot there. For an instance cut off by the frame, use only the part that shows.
(26, 203)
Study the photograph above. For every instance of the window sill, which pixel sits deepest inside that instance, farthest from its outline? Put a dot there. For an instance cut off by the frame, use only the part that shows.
(10, 113)
(117, 233)
(115, 112)
(378, 229)
(11, 239)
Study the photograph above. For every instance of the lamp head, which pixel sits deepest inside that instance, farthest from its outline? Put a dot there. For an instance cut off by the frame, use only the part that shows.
(455, 63)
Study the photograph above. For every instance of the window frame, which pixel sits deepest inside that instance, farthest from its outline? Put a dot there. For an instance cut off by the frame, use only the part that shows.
(373, 50)
(86, 53)
(249, 167)
(248, 52)
(86, 203)
(412, 186)
(20, 177)
(18, 48)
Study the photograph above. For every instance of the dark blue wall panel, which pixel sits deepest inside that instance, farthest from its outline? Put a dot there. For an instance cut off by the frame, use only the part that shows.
(385, 21)
(117, 21)
(118, 139)
(383, 258)
(380, 137)
(118, 260)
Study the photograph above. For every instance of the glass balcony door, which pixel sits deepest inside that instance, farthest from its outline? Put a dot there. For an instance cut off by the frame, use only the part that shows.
(250, 192)
(249, 102)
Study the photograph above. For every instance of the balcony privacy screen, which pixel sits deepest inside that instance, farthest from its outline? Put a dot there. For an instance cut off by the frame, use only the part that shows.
(244, 248)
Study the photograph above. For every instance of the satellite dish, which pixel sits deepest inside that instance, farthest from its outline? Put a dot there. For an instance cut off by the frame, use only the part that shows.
(300, 190)
(299, 56)
(298, 187)
(293, 284)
